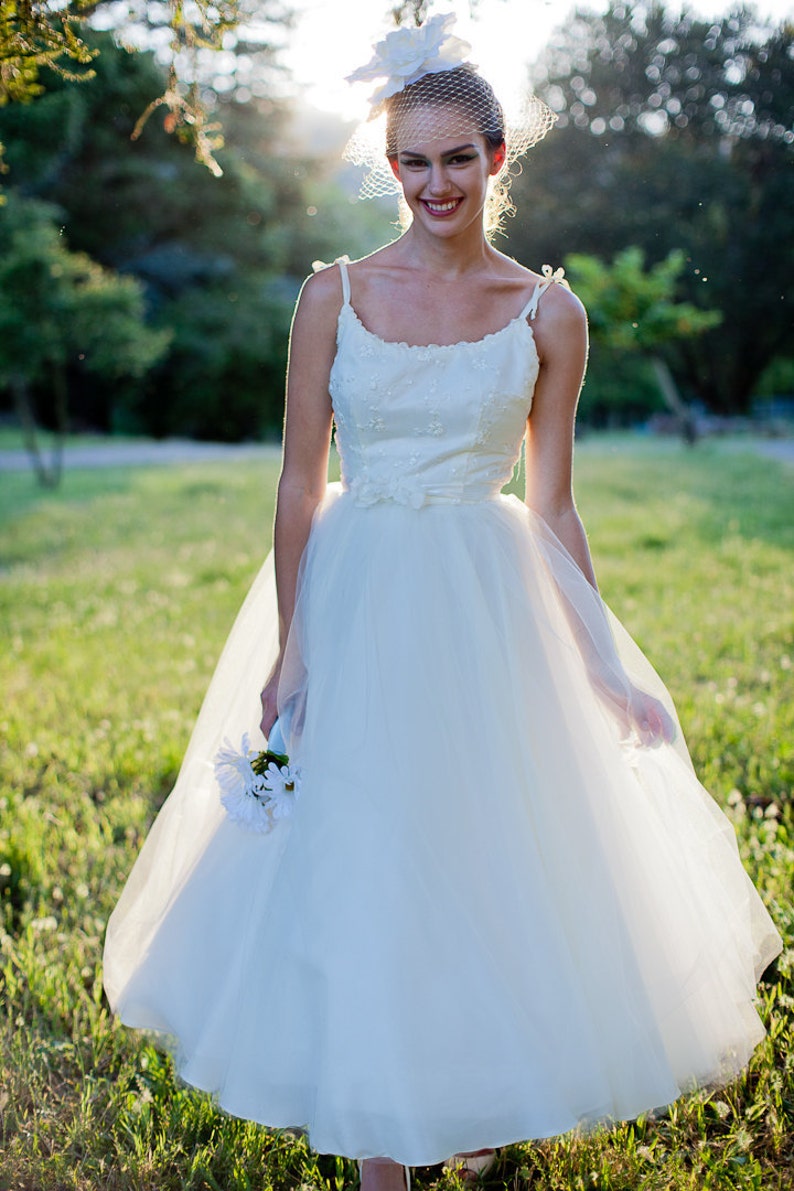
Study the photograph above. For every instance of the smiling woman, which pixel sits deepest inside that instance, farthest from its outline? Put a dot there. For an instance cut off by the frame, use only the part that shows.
(495, 796)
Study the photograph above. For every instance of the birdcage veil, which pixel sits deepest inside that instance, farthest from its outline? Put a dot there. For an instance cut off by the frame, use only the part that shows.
(429, 89)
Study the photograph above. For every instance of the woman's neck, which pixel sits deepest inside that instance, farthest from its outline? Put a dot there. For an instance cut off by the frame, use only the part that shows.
(447, 258)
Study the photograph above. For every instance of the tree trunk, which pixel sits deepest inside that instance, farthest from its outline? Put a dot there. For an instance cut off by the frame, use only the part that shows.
(61, 423)
(674, 402)
(47, 476)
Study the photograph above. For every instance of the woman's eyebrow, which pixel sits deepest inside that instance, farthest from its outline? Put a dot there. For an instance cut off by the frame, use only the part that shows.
(449, 153)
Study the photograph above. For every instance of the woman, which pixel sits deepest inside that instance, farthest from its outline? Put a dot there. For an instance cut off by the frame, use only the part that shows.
(503, 905)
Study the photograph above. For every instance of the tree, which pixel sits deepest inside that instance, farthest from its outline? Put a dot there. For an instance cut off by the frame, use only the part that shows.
(220, 259)
(675, 133)
(633, 312)
(60, 309)
(223, 378)
(37, 37)
(124, 199)
(631, 309)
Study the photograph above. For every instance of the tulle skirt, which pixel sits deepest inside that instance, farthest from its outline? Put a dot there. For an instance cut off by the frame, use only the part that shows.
(495, 914)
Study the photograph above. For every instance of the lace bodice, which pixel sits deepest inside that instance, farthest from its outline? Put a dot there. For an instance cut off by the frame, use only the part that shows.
(434, 424)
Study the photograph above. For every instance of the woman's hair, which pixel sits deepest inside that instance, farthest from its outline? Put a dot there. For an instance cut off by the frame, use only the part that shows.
(469, 104)
(461, 89)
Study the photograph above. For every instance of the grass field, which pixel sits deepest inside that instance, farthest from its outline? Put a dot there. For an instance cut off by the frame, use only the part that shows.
(117, 592)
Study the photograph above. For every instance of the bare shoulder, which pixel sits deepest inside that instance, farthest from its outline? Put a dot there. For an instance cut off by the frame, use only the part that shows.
(559, 307)
(321, 296)
(560, 323)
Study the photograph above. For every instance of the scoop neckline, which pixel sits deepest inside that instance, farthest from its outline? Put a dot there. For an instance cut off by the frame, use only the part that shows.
(423, 347)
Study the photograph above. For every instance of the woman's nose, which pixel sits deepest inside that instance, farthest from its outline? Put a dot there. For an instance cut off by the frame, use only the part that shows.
(439, 180)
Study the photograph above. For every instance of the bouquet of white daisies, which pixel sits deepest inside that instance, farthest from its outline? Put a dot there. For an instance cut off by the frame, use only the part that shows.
(257, 788)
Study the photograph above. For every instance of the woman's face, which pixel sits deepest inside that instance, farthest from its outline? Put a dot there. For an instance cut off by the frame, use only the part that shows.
(445, 180)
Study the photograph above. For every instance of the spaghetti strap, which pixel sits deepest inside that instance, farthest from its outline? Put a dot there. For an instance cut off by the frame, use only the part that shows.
(343, 262)
(556, 277)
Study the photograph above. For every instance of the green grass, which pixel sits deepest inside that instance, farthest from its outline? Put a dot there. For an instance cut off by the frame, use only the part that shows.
(116, 594)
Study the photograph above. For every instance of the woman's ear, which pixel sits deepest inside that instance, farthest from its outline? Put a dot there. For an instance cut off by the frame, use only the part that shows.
(395, 167)
(499, 158)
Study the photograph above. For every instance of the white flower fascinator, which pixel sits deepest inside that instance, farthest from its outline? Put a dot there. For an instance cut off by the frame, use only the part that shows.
(404, 55)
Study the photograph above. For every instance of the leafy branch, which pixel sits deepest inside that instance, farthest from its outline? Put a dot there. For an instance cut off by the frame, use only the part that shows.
(34, 39)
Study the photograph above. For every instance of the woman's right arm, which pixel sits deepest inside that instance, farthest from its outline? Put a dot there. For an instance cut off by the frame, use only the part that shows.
(307, 437)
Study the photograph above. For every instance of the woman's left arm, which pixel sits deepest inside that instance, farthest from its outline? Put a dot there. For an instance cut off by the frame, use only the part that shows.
(560, 329)
(561, 338)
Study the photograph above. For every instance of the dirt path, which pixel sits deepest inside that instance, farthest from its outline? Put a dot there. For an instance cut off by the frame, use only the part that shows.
(781, 448)
(142, 454)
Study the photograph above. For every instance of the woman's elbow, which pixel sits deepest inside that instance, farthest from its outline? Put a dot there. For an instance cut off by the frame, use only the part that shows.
(300, 488)
(554, 508)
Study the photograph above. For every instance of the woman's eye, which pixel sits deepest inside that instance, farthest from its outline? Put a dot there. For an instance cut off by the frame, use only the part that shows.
(418, 163)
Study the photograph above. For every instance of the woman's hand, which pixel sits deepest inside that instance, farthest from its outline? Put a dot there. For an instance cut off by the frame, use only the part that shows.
(649, 719)
(269, 699)
(638, 714)
(643, 716)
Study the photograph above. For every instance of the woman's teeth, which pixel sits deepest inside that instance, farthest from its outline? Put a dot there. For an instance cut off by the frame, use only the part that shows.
(442, 208)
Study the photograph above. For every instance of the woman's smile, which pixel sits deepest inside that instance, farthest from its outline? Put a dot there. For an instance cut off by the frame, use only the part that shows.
(442, 208)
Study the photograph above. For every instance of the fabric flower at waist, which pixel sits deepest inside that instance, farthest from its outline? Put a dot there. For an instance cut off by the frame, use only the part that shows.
(403, 490)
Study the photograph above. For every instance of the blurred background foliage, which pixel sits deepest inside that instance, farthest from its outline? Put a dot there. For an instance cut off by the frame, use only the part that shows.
(667, 189)
(39, 38)
(219, 259)
(676, 133)
(61, 309)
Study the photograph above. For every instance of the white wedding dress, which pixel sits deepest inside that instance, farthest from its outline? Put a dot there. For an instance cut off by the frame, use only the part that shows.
(494, 914)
